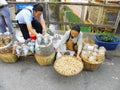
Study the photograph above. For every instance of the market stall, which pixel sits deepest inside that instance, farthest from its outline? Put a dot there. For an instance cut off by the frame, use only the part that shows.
(42, 48)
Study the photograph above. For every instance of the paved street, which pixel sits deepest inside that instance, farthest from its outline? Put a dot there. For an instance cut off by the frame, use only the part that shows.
(27, 74)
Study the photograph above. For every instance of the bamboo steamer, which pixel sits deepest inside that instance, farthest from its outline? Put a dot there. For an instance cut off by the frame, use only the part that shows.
(45, 60)
(8, 57)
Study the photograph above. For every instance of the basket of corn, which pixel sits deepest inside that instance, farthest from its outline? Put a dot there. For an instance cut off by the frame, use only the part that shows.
(68, 65)
(6, 48)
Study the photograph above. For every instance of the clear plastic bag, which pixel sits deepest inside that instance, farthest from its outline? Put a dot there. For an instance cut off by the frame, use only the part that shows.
(92, 58)
(25, 49)
(7, 36)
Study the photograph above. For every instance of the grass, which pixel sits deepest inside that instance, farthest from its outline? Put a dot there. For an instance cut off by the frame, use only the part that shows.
(71, 17)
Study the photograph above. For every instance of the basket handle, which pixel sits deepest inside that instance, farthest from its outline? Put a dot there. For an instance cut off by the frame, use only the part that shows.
(8, 43)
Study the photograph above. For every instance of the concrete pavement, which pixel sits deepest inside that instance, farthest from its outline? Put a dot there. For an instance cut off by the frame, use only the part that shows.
(27, 74)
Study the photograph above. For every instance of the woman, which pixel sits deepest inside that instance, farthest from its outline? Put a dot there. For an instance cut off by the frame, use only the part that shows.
(72, 40)
(29, 18)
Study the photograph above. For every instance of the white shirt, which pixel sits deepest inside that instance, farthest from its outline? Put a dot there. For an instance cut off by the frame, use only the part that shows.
(3, 2)
(77, 40)
(25, 16)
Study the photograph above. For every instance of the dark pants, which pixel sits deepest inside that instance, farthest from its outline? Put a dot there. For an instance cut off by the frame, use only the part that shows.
(35, 24)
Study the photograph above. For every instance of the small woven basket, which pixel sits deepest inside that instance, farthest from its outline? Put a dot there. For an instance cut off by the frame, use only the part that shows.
(45, 60)
(91, 66)
(68, 65)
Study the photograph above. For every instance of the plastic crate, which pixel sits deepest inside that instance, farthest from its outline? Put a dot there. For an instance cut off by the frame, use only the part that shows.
(20, 6)
(107, 45)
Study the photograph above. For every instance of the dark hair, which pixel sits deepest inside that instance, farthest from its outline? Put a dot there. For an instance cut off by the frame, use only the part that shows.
(76, 28)
(37, 7)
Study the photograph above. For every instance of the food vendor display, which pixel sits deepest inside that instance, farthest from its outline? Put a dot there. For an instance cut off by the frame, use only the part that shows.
(43, 50)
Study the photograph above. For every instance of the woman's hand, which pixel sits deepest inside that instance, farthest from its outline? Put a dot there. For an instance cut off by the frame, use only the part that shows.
(62, 53)
(78, 57)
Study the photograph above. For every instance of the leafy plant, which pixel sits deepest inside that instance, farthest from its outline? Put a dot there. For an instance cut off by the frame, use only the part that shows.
(107, 38)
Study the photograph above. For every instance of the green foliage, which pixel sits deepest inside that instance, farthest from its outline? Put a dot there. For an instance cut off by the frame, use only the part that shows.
(85, 29)
(50, 32)
(71, 16)
(108, 38)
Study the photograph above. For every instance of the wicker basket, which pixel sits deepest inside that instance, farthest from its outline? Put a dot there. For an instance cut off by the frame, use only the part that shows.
(6, 50)
(8, 58)
(45, 60)
(68, 65)
(91, 65)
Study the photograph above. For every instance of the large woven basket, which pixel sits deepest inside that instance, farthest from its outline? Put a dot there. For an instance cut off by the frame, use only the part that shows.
(91, 66)
(45, 60)
(8, 58)
(6, 51)
(68, 65)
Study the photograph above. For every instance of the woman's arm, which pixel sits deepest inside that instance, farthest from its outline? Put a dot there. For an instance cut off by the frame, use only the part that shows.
(42, 21)
(29, 26)
(63, 40)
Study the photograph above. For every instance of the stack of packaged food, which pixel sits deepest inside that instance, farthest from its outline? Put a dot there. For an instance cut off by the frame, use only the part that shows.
(92, 53)
(24, 49)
